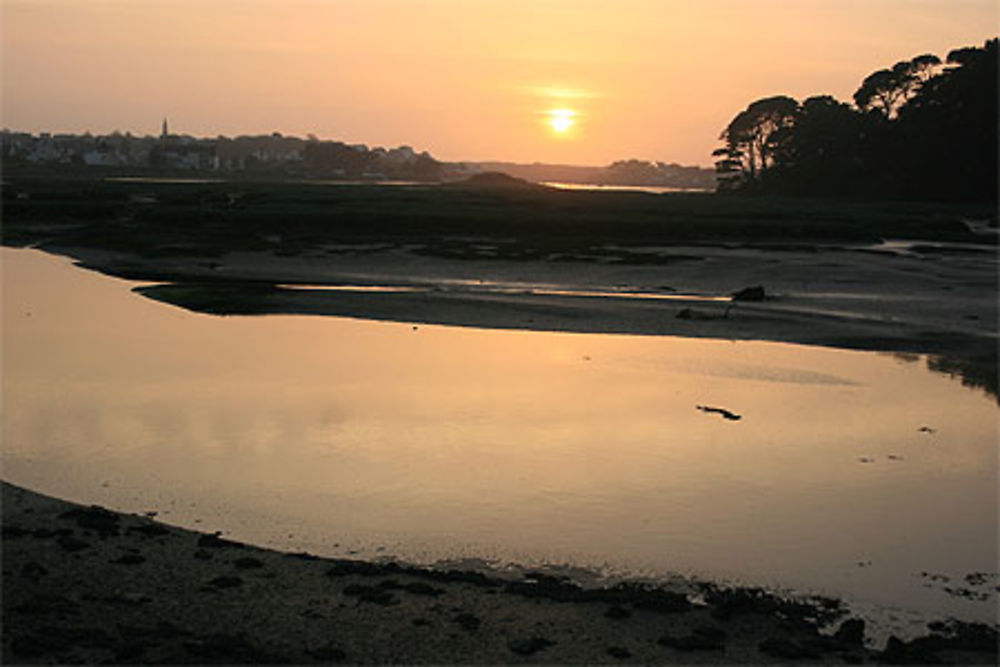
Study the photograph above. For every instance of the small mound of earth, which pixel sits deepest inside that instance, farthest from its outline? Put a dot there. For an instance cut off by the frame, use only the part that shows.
(495, 180)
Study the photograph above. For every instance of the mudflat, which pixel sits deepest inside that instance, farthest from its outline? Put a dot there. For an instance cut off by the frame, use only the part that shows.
(84, 584)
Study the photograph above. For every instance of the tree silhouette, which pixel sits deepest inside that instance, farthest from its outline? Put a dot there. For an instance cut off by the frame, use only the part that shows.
(947, 134)
(820, 152)
(749, 136)
(921, 130)
(729, 168)
(887, 90)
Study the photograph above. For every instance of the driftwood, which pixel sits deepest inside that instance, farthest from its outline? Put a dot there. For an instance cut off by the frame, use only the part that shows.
(732, 416)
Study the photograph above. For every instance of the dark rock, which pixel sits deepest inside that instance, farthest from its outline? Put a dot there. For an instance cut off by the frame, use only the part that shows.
(146, 636)
(62, 638)
(389, 584)
(704, 638)
(468, 622)
(898, 652)
(460, 576)
(226, 582)
(28, 646)
(328, 653)
(370, 594)
(48, 604)
(148, 530)
(343, 568)
(70, 543)
(44, 533)
(616, 611)
(227, 649)
(529, 646)
(966, 593)
(129, 559)
(98, 519)
(851, 632)
(421, 622)
(420, 588)
(754, 293)
(789, 649)
(728, 602)
(129, 599)
(12, 532)
(619, 652)
(302, 555)
(216, 542)
(977, 578)
(130, 651)
(692, 314)
(664, 602)
(545, 586)
(247, 563)
(964, 636)
(33, 570)
(201, 554)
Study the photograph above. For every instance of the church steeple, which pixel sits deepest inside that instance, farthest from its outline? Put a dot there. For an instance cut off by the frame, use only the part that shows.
(165, 131)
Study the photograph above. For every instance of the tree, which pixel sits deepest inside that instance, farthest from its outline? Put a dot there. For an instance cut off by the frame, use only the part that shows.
(947, 133)
(819, 152)
(749, 136)
(729, 168)
(887, 90)
(922, 130)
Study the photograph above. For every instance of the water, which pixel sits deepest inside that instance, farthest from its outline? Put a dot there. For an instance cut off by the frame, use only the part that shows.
(652, 189)
(508, 287)
(352, 437)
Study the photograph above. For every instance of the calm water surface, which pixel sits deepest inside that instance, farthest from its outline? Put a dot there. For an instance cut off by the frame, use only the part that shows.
(654, 189)
(343, 436)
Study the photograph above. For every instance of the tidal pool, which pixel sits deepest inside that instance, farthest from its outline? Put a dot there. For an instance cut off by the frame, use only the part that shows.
(849, 473)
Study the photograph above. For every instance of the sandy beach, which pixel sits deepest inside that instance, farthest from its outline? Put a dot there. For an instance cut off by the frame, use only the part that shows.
(88, 585)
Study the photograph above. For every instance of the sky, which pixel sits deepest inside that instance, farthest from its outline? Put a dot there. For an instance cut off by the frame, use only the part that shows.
(558, 81)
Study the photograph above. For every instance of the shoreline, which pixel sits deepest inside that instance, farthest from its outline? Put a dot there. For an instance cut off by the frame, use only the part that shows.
(838, 296)
(93, 585)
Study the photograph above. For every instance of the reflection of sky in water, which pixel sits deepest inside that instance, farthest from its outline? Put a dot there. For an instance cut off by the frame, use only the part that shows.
(331, 434)
(509, 287)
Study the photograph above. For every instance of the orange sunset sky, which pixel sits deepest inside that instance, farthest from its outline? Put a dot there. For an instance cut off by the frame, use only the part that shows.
(570, 81)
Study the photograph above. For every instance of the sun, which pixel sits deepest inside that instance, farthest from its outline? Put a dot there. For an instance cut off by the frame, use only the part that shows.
(561, 120)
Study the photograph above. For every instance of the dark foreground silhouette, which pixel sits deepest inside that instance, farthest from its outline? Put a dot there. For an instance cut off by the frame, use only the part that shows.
(83, 584)
(922, 129)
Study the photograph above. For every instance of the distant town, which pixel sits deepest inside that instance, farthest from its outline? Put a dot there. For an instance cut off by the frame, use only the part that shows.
(279, 156)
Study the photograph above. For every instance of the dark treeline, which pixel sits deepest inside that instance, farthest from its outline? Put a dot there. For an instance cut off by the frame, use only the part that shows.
(923, 129)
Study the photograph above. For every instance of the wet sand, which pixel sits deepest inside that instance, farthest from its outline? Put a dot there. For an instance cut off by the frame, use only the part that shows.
(921, 299)
(89, 585)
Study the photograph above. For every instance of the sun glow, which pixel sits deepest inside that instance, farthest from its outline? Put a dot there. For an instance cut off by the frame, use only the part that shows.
(561, 120)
